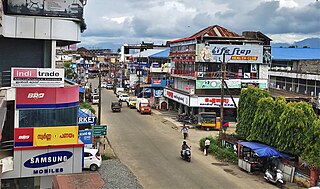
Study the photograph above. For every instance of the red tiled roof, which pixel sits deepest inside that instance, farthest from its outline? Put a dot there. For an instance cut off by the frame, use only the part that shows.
(211, 31)
(78, 181)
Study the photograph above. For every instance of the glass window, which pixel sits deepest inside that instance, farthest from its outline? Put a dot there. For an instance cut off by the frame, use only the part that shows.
(48, 117)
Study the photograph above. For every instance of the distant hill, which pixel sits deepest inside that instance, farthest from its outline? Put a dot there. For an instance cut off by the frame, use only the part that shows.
(309, 42)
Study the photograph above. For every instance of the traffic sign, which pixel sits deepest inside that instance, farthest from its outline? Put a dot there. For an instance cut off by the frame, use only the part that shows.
(100, 130)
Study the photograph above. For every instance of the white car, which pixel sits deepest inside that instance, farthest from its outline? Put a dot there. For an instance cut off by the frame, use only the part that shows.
(124, 97)
(104, 85)
(95, 99)
(92, 159)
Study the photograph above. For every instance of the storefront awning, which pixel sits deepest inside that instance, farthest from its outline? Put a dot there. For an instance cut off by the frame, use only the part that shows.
(263, 150)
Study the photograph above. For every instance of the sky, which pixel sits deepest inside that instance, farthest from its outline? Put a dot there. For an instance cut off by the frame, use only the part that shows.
(111, 23)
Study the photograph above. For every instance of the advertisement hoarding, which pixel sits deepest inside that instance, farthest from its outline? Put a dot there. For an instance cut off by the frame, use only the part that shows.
(233, 53)
(65, 8)
(37, 77)
(86, 136)
(50, 136)
(35, 97)
(216, 84)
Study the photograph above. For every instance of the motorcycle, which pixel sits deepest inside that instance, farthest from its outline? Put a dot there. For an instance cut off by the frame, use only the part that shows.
(187, 154)
(275, 177)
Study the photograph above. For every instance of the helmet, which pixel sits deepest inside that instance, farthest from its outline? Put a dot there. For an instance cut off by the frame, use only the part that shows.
(184, 142)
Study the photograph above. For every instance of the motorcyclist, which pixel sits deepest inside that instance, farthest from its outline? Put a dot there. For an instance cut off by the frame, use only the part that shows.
(184, 147)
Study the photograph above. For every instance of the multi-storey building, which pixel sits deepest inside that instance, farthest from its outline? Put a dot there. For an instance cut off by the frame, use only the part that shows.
(197, 73)
(297, 71)
(30, 32)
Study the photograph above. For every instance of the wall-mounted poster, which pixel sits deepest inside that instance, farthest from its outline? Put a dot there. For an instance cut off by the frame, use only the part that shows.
(56, 8)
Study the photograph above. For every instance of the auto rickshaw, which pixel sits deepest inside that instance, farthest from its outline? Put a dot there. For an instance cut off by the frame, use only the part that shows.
(209, 121)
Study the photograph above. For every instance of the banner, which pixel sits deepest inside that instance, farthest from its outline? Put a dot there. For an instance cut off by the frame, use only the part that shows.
(37, 77)
(233, 53)
(216, 84)
(50, 136)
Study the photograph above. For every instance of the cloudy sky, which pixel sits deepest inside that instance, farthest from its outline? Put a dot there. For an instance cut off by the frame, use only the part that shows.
(111, 23)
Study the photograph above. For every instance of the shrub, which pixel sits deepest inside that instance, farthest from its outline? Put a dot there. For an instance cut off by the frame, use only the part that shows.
(86, 105)
(221, 153)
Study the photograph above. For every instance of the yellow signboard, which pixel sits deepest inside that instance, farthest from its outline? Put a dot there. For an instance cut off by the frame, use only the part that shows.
(50, 136)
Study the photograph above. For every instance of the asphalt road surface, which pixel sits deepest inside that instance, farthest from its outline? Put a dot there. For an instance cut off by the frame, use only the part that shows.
(151, 149)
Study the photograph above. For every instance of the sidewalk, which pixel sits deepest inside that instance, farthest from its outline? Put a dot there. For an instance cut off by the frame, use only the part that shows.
(195, 135)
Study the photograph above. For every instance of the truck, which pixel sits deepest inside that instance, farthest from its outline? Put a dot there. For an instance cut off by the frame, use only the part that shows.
(143, 106)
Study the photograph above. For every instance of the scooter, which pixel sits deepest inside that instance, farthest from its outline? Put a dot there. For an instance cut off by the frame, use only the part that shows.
(187, 154)
(275, 177)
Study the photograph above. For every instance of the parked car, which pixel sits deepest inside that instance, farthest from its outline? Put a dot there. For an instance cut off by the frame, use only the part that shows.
(95, 98)
(104, 85)
(109, 86)
(116, 107)
(92, 159)
(124, 97)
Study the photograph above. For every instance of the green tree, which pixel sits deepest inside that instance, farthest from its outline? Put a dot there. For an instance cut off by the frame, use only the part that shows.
(264, 126)
(88, 106)
(296, 119)
(247, 108)
(311, 153)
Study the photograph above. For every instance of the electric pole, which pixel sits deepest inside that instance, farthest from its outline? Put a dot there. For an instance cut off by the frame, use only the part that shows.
(99, 105)
(223, 77)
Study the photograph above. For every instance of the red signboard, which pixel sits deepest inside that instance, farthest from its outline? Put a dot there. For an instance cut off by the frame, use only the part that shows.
(47, 95)
(157, 82)
(23, 136)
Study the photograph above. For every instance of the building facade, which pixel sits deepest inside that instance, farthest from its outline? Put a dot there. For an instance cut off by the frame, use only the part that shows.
(197, 72)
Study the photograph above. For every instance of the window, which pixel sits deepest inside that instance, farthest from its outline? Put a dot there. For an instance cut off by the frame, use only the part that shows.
(87, 154)
(48, 117)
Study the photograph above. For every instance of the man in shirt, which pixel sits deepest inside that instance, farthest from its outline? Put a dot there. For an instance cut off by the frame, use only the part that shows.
(206, 145)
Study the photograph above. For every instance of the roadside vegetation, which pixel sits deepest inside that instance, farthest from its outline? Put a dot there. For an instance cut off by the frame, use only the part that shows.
(86, 105)
(221, 153)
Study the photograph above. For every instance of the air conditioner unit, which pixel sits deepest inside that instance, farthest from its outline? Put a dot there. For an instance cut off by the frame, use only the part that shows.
(200, 74)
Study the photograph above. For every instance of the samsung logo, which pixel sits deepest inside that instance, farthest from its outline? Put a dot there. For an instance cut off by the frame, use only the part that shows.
(48, 159)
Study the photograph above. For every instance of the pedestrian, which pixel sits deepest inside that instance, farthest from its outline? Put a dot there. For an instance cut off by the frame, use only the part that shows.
(206, 145)
(184, 131)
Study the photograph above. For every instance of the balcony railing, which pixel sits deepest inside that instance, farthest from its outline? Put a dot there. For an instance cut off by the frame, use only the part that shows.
(212, 75)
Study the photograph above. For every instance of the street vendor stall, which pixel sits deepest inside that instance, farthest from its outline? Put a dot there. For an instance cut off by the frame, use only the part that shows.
(253, 155)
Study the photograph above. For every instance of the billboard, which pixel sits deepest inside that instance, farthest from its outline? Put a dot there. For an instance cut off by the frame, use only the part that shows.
(37, 77)
(213, 102)
(233, 53)
(47, 97)
(50, 8)
(181, 98)
(50, 136)
(216, 84)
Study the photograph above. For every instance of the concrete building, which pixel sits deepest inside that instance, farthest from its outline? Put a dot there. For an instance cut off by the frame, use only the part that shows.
(197, 69)
(30, 33)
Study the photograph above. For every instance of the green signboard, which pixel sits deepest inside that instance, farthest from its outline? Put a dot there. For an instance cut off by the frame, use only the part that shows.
(216, 84)
(99, 130)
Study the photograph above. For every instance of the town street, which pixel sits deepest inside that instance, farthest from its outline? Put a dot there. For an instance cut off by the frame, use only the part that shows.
(151, 149)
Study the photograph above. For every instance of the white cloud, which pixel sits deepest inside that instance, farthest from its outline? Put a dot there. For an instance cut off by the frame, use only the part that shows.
(124, 21)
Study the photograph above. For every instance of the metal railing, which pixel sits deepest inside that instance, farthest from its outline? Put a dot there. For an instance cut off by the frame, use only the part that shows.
(212, 75)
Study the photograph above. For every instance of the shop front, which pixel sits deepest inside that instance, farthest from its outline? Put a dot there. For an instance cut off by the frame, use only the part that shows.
(177, 101)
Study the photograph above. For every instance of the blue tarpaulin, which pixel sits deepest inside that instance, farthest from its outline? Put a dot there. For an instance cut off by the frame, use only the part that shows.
(263, 150)
(162, 54)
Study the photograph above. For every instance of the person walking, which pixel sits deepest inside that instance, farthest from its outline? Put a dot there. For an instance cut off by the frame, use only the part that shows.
(184, 131)
(206, 145)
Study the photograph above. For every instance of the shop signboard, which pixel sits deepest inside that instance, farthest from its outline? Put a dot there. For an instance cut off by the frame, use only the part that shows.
(100, 130)
(86, 136)
(51, 136)
(261, 83)
(23, 137)
(213, 102)
(158, 93)
(216, 84)
(233, 53)
(37, 77)
(47, 97)
(65, 8)
(181, 98)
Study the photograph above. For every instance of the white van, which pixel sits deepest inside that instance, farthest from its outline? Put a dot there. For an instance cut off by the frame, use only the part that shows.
(95, 99)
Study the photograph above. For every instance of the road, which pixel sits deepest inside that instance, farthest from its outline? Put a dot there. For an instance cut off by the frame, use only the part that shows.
(151, 149)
